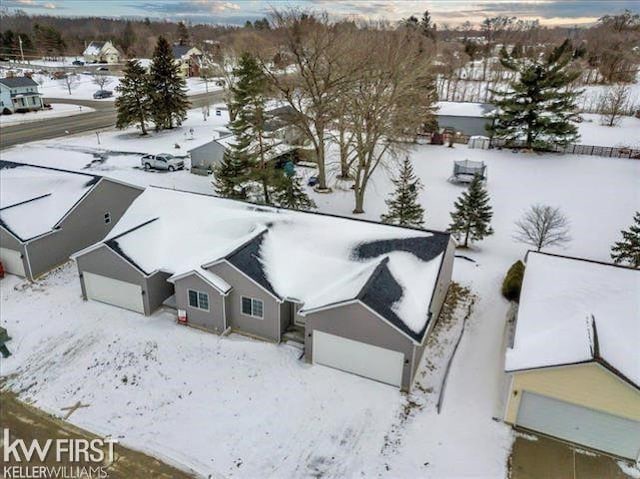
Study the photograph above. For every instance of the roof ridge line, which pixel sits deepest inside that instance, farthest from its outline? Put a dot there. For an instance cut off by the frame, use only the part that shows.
(25, 201)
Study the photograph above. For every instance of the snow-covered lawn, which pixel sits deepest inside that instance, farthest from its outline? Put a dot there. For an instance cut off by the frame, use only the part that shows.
(626, 134)
(85, 87)
(57, 110)
(244, 408)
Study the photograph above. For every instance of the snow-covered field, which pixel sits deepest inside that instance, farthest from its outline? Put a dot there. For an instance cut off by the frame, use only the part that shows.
(243, 408)
(626, 134)
(57, 110)
(85, 87)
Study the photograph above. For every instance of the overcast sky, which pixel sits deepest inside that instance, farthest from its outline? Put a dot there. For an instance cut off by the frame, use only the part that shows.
(452, 12)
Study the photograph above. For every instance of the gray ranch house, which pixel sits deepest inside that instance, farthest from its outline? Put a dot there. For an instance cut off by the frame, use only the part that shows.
(282, 134)
(19, 93)
(47, 214)
(362, 301)
(469, 119)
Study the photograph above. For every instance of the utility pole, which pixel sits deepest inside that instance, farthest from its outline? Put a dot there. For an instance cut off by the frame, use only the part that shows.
(21, 51)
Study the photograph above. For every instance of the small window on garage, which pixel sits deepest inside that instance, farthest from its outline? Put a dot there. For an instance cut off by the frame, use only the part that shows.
(252, 307)
(107, 218)
(198, 300)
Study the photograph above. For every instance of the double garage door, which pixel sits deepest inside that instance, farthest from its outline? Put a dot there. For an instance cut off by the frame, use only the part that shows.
(12, 261)
(595, 429)
(359, 358)
(113, 291)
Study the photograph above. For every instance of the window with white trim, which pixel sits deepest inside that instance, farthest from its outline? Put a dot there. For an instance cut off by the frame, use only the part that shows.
(252, 307)
(107, 218)
(198, 300)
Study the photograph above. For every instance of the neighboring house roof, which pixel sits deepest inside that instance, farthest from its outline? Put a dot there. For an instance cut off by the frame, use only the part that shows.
(33, 199)
(574, 311)
(180, 51)
(17, 82)
(464, 109)
(94, 48)
(290, 254)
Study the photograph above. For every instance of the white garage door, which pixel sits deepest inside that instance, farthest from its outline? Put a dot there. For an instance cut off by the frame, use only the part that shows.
(592, 428)
(12, 261)
(113, 291)
(358, 358)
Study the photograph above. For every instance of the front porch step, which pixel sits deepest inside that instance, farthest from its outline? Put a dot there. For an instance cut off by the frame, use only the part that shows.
(294, 334)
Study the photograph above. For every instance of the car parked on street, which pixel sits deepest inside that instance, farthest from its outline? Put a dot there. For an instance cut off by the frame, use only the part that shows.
(78, 63)
(163, 161)
(102, 94)
(102, 69)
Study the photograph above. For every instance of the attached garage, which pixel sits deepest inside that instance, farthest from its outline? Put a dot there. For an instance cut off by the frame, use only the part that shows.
(113, 291)
(359, 358)
(596, 429)
(12, 261)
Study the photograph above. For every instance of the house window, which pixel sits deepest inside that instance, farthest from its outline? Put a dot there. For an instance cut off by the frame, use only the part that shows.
(252, 307)
(107, 218)
(198, 300)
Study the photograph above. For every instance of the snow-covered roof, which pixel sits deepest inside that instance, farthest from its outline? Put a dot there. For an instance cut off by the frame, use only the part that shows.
(33, 199)
(455, 108)
(574, 310)
(94, 48)
(318, 260)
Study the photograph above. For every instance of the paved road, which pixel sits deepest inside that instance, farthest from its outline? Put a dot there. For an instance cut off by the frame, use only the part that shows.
(103, 117)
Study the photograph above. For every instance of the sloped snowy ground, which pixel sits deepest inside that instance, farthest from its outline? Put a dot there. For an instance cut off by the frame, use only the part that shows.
(245, 408)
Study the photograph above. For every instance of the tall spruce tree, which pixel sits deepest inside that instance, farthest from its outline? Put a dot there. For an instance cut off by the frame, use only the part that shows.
(403, 207)
(134, 102)
(230, 176)
(539, 104)
(628, 249)
(290, 194)
(472, 216)
(253, 145)
(183, 34)
(166, 88)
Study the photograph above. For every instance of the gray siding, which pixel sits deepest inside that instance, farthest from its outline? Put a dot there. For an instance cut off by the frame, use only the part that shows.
(7, 240)
(466, 124)
(212, 320)
(105, 262)
(83, 227)
(204, 157)
(269, 326)
(356, 322)
(156, 291)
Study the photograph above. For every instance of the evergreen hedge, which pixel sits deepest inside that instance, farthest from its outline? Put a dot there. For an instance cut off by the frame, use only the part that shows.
(512, 283)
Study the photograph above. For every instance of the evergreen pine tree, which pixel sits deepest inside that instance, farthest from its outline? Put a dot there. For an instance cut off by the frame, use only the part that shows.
(404, 208)
(252, 144)
(183, 34)
(230, 176)
(539, 105)
(628, 250)
(472, 216)
(134, 103)
(290, 194)
(166, 88)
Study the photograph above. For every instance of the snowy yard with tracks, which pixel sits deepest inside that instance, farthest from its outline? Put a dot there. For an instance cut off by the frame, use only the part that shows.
(237, 407)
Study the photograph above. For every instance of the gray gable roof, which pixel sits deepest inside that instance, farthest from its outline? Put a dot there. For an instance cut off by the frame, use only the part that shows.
(17, 82)
(180, 50)
(247, 259)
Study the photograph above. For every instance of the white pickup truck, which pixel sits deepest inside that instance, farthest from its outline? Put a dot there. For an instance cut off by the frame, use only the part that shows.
(163, 161)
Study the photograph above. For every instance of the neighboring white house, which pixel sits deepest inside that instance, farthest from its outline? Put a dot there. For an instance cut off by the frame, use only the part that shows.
(19, 93)
(101, 52)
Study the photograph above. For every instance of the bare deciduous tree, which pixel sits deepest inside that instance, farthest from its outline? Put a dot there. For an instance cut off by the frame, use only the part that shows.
(321, 68)
(71, 82)
(102, 81)
(388, 101)
(613, 104)
(543, 226)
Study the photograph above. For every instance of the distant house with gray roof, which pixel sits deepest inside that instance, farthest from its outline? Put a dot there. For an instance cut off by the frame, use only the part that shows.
(188, 59)
(101, 52)
(364, 301)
